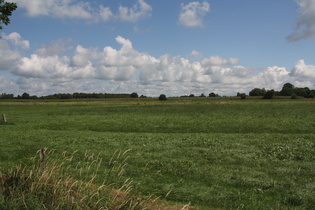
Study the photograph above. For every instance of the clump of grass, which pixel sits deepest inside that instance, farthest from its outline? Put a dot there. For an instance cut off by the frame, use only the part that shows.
(66, 183)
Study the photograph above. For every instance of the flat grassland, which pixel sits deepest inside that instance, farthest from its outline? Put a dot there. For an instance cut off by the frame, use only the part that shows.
(222, 153)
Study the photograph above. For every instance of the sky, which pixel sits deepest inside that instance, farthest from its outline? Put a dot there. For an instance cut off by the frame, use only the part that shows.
(155, 47)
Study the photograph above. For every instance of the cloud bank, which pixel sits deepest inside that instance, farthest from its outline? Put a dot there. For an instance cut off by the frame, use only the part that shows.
(59, 67)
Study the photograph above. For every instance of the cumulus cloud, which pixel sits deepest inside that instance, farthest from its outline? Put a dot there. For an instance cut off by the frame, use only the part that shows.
(83, 56)
(273, 77)
(301, 71)
(195, 53)
(218, 61)
(8, 57)
(57, 8)
(53, 67)
(10, 50)
(133, 14)
(40, 67)
(7, 86)
(50, 70)
(305, 26)
(105, 13)
(54, 48)
(124, 42)
(192, 13)
(16, 39)
(77, 9)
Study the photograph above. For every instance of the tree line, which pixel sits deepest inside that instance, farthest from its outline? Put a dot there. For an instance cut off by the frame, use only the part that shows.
(71, 96)
(287, 90)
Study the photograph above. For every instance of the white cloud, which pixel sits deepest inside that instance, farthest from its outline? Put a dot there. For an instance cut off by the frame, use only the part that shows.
(57, 8)
(192, 13)
(52, 67)
(124, 42)
(16, 39)
(303, 72)
(218, 61)
(273, 77)
(305, 26)
(8, 57)
(48, 70)
(7, 86)
(40, 67)
(84, 56)
(105, 13)
(121, 73)
(81, 10)
(195, 53)
(54, 48)
(77, 9)
(133, 14)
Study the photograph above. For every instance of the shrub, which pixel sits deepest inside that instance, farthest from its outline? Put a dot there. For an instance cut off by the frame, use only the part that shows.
(257, 92)
(212, 94)
(162, 97)
(242, 96)
(294, 96)
(269, 94)
(134, 95)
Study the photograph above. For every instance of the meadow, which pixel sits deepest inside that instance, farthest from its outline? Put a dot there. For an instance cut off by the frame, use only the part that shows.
(208, 153)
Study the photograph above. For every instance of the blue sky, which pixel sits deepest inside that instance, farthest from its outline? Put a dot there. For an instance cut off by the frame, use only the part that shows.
(153, 47)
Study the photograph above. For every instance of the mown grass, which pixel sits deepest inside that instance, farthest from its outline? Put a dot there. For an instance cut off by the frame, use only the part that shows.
(226, 153)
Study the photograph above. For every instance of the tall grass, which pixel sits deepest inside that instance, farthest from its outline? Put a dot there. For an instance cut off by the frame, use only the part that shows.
(65, 183)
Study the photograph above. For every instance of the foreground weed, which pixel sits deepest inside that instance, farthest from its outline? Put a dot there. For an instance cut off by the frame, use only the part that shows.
(54, 188)
(65, 183)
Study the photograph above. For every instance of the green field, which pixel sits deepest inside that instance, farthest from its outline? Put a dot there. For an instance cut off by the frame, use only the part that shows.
(222, 153)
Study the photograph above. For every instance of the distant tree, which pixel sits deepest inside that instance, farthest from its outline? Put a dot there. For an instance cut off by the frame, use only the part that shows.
(143, 96)
(307, 93)
(303, 92)
(299, 92)
(242, 96)
(64, 96)
(134, 95)
(6, 96)
(269, 94)
(25, 96)
(34, 97)
(162, 97)
(202, 95)
(257, 92)
(191, 95)
(6, 10)
(287, 89)
(212, 94)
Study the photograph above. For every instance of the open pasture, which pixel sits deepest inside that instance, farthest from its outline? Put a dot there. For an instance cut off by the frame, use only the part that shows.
(212, 153)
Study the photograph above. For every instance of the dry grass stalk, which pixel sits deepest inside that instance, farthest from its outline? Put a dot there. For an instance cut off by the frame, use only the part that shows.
(53, 188)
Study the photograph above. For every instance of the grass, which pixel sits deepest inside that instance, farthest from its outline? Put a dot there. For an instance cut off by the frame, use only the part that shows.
(51, 188)
(72, 181)
(212, 153)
